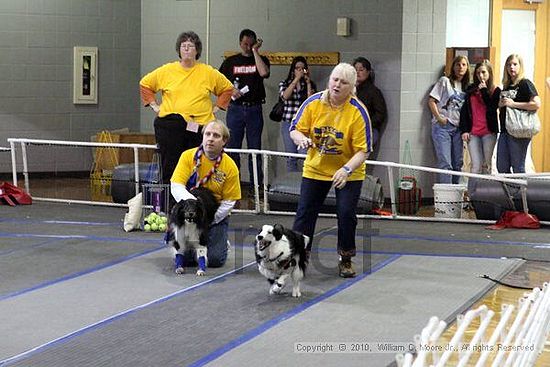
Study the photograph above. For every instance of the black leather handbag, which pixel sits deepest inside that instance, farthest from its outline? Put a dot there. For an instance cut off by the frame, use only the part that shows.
(276, 113)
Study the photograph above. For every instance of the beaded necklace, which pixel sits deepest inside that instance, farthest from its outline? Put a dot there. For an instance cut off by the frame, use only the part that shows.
(194, 180)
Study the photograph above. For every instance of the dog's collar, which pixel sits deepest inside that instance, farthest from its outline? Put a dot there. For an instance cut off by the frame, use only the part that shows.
(274, 259)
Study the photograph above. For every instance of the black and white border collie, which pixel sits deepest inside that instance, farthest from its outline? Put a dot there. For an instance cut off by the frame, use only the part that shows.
(280, 254)
(189, 223)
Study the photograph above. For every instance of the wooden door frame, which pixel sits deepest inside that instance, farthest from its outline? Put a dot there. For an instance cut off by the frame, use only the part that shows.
(541, 155)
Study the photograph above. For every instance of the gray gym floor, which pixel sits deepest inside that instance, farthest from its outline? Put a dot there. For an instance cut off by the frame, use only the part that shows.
(76, 290)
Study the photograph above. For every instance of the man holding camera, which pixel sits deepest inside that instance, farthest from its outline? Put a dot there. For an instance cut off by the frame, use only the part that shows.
(247, 71)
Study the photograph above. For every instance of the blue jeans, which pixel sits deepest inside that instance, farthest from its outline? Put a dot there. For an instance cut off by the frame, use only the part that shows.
(312, 196)
(511, 152)
(481, 152)
(448, 150)
(247, 120)
(217, 246)
(292, 163)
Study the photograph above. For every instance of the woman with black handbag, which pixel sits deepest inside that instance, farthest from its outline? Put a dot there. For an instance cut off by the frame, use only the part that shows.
(294, 90)
(520, 93)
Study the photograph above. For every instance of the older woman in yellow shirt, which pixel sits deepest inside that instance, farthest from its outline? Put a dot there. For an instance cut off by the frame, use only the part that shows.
(335, 128)
(186, 87)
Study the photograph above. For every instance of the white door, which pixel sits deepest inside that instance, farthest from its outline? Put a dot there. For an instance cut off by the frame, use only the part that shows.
(518, 37)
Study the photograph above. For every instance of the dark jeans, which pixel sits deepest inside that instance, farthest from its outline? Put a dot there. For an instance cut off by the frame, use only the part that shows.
(511, 152)
(247, 120)
(312, 196)
(217, 247)
(173, 139)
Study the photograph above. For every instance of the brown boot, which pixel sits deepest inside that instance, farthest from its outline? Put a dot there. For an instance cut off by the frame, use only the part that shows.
(345, 268)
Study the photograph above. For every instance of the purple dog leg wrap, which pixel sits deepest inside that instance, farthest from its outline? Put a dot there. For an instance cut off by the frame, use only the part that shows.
(168, 236)
(202, 263)
(179, 261)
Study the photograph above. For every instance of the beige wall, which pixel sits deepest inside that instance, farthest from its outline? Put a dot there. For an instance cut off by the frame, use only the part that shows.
(36, 72)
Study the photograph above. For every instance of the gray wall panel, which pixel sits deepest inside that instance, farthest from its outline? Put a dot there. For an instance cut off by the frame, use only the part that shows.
(405, 41)
(36, 62)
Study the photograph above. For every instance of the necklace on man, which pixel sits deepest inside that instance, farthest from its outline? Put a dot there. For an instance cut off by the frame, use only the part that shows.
(195, 181)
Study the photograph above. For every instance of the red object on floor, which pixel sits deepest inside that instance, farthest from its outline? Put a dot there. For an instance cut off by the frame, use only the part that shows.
(13, 195)
(382, 212)
(513, 219)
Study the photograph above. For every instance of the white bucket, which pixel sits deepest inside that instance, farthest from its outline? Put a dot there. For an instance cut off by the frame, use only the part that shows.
(448, 200)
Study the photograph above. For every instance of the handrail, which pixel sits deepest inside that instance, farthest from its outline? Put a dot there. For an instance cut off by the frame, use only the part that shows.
(265, 154)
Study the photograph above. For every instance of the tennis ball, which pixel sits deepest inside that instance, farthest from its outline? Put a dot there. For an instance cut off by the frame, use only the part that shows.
(154, 227)
(162, 227)
(164, 219)
(147, 228)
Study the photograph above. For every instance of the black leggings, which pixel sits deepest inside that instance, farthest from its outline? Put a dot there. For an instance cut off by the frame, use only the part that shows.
(173, 138)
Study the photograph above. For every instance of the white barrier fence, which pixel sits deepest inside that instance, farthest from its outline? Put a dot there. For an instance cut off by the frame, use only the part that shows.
(22, 143)
(514, 341)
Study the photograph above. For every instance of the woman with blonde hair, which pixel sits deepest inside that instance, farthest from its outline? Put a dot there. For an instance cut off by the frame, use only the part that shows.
(335, 128)
(517, 92)
(445, 102)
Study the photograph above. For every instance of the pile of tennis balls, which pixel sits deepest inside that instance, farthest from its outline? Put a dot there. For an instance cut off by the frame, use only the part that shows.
(155, 222)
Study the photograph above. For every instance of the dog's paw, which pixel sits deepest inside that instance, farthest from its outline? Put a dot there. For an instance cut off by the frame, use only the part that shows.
(296, 293)
(201, 272)
(180, 270)
(276, 288)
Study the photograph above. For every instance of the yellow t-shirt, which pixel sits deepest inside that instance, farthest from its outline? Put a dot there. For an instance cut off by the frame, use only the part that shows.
(338, 133)
(187, 91)
(224, 182)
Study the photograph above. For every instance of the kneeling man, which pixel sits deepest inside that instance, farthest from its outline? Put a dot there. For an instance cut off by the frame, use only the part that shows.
(210, 167)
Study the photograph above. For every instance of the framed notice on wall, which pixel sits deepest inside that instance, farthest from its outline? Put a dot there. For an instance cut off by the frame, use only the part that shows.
(473, 54)
(85, 75)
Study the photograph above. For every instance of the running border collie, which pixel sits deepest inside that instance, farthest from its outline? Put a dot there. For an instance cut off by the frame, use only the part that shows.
(281, 254)
(189, 223)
